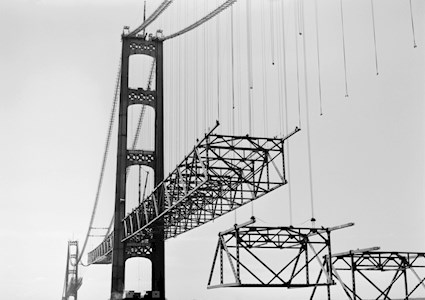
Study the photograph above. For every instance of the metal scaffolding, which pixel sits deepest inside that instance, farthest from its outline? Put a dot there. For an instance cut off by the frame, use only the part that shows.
(242, 255)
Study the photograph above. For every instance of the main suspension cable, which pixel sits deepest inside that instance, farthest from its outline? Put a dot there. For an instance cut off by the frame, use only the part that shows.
(105, 158)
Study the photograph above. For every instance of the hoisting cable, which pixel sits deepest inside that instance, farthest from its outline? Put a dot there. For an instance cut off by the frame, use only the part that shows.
(232, 57)
(105, 157)
(413, 24)
(286, 110)
(201, 21)
(218, 64)
(297, 59)
(272, 28)
(263, 44)
(318, 55)
(249, 58)
(374, 37)
(343, 48)
(250, 78)
(313, 220)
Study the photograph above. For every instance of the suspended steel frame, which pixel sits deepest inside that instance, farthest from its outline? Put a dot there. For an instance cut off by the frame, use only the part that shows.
(242, 253)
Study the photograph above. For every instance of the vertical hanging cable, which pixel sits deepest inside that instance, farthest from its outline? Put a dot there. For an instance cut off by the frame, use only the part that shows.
(233, 80)
(271, 6)
(250, 79)
(285, 97)
(374, 37)
(296, 8)
(205, 72)
(249, 57)
(233, 68)
(218, 63)
(318, 55)
(307, 119)
(263, 44)
(413, 24)
(343, 48)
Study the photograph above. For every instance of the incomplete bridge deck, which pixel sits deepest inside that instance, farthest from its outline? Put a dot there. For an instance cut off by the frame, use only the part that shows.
(221, 174)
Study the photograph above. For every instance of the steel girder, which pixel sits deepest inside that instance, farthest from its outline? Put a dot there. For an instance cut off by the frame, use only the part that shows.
(405, 271)
(243, 255)
(220, 174)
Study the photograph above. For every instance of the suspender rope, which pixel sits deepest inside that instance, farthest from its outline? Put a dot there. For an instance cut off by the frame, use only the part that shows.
(308, 121)
(249, 57)
(298, 65)
(285, 97)
(318, 55)
(413, 24)
(374, 37)
(271, 4)
(343, 48)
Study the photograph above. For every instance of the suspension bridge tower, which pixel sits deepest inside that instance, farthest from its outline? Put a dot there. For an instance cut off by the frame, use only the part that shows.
(153, 247)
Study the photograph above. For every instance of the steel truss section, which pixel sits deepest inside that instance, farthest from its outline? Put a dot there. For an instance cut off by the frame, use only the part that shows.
(135, 247)
(244, 254)
(72, 281)
(220, 174)
(385, 275)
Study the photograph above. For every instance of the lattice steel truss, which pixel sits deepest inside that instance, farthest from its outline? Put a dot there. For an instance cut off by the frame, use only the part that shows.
(72, 281)
(242, 254)
(219, 175)
(404, 271)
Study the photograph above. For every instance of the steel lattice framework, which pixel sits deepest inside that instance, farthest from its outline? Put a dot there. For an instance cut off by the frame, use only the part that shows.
(245, 249)
(402, 268)
(220, 174)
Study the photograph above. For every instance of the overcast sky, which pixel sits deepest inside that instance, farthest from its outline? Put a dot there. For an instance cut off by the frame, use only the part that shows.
(58, 64)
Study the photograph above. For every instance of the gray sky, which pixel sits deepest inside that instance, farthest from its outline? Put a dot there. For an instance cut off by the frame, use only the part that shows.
(58, 66)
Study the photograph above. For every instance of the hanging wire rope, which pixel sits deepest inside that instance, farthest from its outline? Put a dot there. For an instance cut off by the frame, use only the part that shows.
(271, 10)
(296, 13)
(218, 63)
(318, 55)
(232, 67)
(104, 160)
(249, 58)
(413, 24)
(285, 98)
(307, 112)
(232, 57)
(374, 36)
(212, 14)
(263, 44)
(343, 48)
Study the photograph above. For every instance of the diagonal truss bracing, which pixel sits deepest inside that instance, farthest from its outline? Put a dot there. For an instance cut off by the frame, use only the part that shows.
(220, 174)
(242, 257)
(404, 274)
